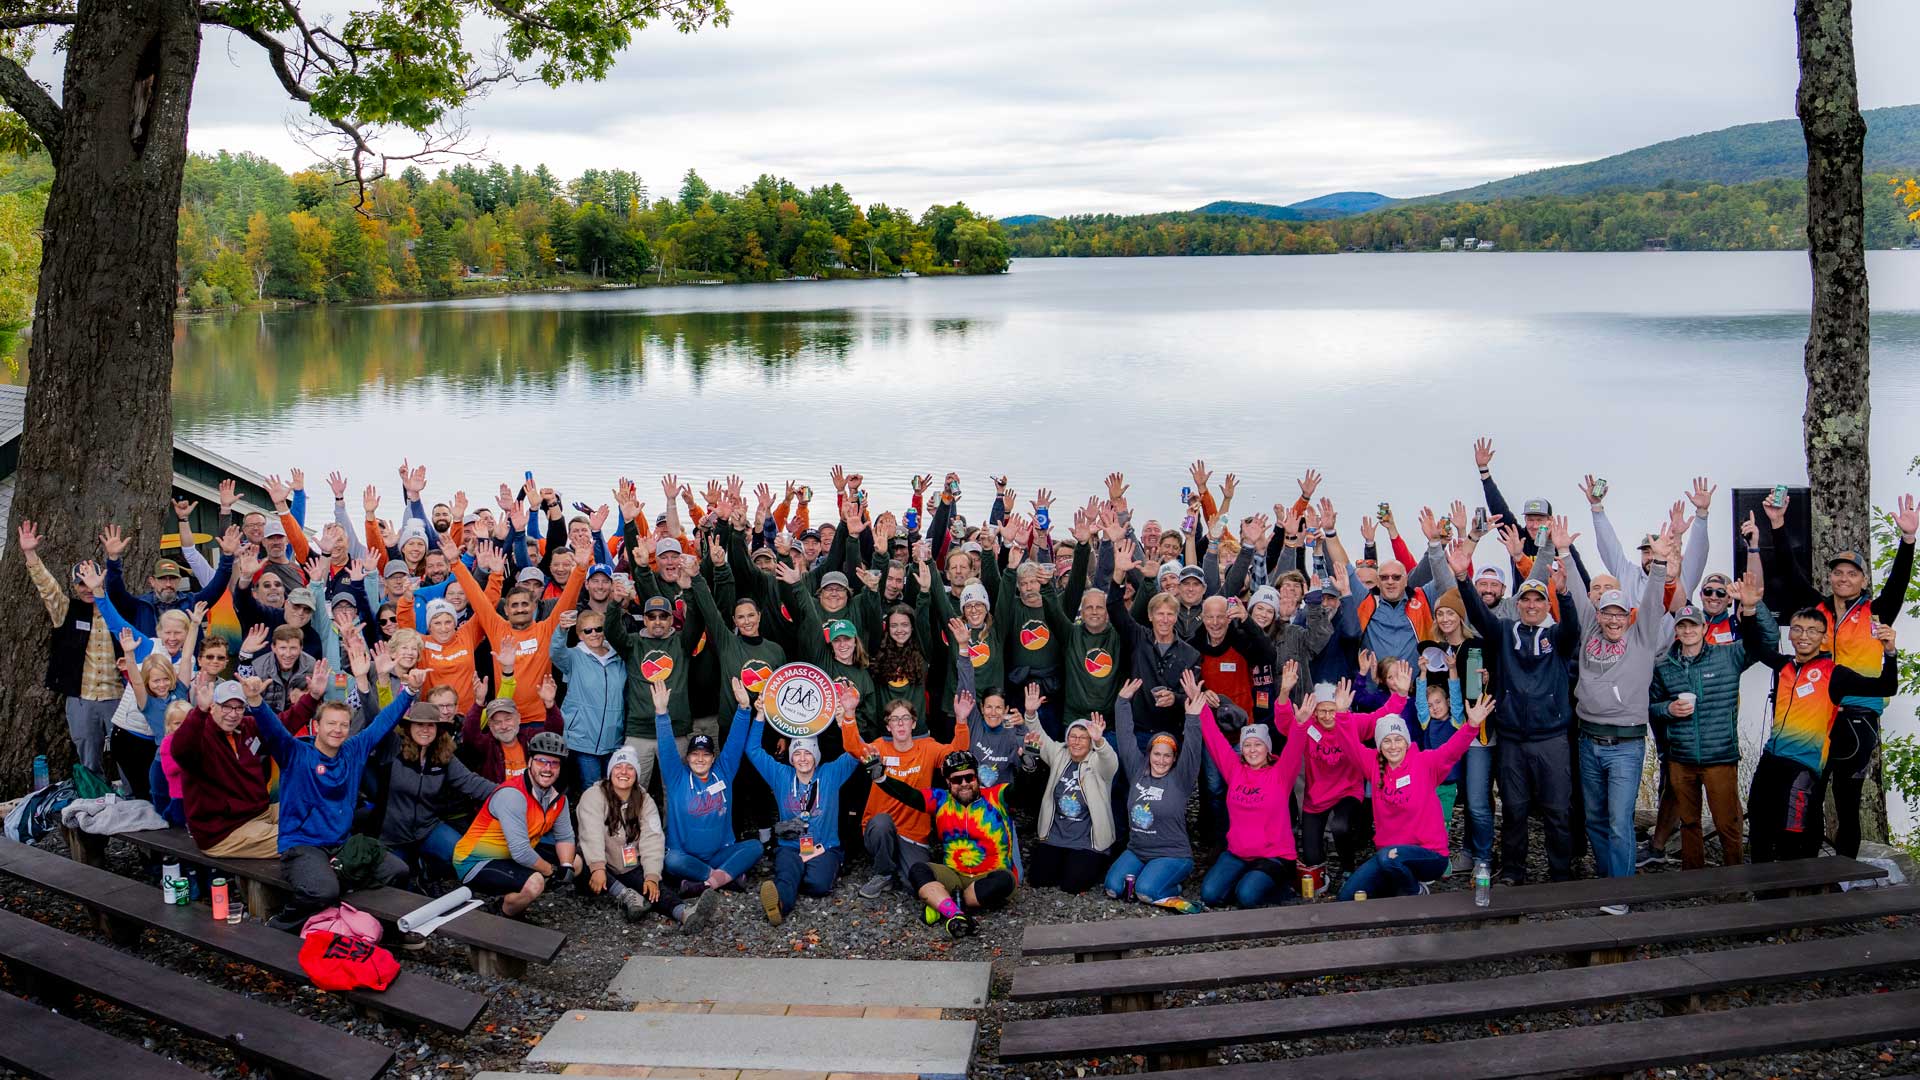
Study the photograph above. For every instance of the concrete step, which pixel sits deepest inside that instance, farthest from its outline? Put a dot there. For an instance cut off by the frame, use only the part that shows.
(642, 1072)
(930, 1049)
(926, 984)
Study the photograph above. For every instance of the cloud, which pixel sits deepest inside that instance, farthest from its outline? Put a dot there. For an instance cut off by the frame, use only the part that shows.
(1071, 106)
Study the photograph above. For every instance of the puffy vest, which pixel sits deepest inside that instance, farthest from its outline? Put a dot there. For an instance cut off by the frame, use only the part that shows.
(1419, 613)
(485, 839)
(1803, 712)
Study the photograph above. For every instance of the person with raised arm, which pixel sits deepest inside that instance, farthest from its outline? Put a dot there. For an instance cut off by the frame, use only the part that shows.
(1258, 866)
(806, 838)
(1160, 784)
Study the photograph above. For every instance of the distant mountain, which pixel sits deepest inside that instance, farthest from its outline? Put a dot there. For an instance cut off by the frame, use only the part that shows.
(1023, 219)
(1345, 202)
(1735, 155)
(1254, 209)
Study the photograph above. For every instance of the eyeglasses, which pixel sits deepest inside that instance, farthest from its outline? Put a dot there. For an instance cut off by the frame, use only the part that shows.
(1716, 593)
(546, 762)
(1392, 577)
(1807, 631)
(585, 630)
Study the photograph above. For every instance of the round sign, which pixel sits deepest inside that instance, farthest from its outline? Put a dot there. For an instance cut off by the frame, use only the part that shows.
(800, 700)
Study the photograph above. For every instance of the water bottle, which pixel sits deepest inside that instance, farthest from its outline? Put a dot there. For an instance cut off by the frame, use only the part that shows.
(40, 776)
(1482, 883)
(218, 894)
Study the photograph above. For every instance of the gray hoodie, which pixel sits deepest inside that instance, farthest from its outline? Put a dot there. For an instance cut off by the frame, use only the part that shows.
(1611, 696)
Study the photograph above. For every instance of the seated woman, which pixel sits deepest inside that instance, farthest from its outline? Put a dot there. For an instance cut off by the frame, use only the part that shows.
(806, 796)
(418, 787)
(625, 847)
(699, 797)
(1409, 832)
(1257, 868)
(1076, 813)
(1336, 781)
(1160, 784)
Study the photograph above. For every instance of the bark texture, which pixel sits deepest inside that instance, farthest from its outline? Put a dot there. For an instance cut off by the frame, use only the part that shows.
(1837, 413)
(98, 444)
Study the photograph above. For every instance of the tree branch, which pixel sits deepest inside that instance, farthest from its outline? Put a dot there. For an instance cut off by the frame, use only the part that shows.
(49, 18)
(34, 105)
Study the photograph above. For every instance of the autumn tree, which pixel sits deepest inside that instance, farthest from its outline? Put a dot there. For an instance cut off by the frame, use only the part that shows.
(98, 435)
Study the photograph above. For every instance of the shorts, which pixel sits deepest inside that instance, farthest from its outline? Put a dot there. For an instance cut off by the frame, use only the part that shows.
(953, 880)
(498, 877)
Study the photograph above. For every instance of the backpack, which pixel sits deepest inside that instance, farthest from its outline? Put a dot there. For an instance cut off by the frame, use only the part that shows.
(344, 920)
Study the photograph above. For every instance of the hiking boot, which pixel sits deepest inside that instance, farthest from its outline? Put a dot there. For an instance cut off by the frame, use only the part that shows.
(696, 914)
(960, 926)
(633, 904)
(288, 921)
(875, 886)
(413, 941)
(770, 901)
(1460, 862)
(1648, 855)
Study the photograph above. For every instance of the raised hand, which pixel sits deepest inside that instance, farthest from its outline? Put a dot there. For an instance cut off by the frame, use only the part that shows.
(184, 508)
(1677, 519)
(1368, 530)
(1748, 592)
(230, 540)
(1776, 515)
(1511, 539)
(838, 474)
(957, 630)
(370, 499)
(91, 576)
(1702, 495)
(338, 482)
(278, 491)
(1483, 453)
(1034, 699)
(1309, 484)
(549, 690)
(1122, 559)
(1400, 677)
(1460, 556)
(318, 678)
(229, 494)
(29, 537)
(1228, 486)
(1430, 526)
(1343, 696)
(1557, 534)
(113, 542)
(1750, 531)
(1478, 711)
(1117, 489)
(1289, 677)
(1130, 688)
(1906, 516)
(384, 662)
(255, 640)
(203, 692)
(1198, 470)
(1587, 485)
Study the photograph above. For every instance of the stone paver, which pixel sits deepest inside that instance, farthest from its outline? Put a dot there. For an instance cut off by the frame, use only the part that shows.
(930, 1049)
(934, 984)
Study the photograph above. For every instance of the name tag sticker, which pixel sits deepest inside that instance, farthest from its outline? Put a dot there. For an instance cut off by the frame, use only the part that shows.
(716, 787)
(1313, 731)
(83, 624)
(1803, 689)
(890, 762)
(1229, 667)
(1402, 782)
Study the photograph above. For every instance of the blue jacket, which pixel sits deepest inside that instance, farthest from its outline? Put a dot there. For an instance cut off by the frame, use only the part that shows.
(143, 612)
(1532, 684)
(817, 804)
(595, 710)
(699, 816)
(318, 793)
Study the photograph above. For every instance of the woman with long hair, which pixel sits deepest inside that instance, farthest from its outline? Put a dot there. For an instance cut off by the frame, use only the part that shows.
(625, 846)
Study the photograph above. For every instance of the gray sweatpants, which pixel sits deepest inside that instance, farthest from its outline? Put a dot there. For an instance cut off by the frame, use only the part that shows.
(891, 853)
(87, 724)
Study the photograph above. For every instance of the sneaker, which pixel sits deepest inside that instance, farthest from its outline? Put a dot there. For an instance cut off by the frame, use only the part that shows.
(770, 900)
(1425, 889)
(1648, 855)
(875, 886)
(960, 926)
(288, 921)
(633, 904)
(1613, 909)
(696, 914)
(1183, 906)
(929, 916)
(413, 941)
(1459, 863)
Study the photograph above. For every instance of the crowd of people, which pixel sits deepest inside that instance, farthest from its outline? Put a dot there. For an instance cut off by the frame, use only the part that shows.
(513, 698)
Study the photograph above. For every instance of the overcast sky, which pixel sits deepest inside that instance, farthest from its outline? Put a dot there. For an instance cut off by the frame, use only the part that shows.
(1059, 106)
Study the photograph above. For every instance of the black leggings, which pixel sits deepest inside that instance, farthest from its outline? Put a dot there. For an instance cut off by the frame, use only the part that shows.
(1348, 820)
(1856, 734)
(133, 756)
(1071, 870)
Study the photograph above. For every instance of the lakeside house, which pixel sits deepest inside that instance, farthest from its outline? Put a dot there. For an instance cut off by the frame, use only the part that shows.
(197, 472)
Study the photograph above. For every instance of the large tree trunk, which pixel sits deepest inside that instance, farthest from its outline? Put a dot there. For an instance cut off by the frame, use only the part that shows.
(1838, 469)
(99, 426)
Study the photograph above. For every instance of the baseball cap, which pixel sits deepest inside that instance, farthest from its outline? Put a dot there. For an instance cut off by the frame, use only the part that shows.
(810, 534)
(228, 691)
(501, 706)
(344, 598)
(394, 566)
(841, 628)
(1848, 556)
(530, 573)
(274, 527)
(1531, 585)
(302, 597)
(667, 546)
(1491, 573)
(1646, 542)
(1714, 577)
(1613, 598)
(167, 568)
(656, 605)
(832, 578)
(1536, 506)
(1690, 613)
(1193, 573)
(600, 568)
(700, 741)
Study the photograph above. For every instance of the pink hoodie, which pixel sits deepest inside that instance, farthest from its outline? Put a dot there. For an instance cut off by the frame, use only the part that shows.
(1406, 802)
(1259, 822)
(1332, 773)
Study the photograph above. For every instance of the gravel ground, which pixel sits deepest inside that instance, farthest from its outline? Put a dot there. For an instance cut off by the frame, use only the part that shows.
(846, 926)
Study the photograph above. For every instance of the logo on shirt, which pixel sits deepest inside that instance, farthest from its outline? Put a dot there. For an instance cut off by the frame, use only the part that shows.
(1034, 635)
(753, 675)
(979, 652)
(656, 666)
(319, 770)
(1099, 663)
(1140, 817)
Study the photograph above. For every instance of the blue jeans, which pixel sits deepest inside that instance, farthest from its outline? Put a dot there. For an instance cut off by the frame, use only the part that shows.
(1610, 784)
(736, 859)
(433, 855)
(1249, 887)
(588, 769)
(1394, 871)
(1153, 879)
(1477, 786)
(792, 876)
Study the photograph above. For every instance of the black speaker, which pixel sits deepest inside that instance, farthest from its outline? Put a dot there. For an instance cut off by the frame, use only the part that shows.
(1799, 526)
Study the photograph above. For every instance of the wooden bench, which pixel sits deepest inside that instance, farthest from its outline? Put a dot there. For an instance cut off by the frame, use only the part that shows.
(1602, 1049)
(1114, 937)
(60, 967)
(496, 946)
(1680, 981)
(127, 907)
(48, 1046)
(1585, 940)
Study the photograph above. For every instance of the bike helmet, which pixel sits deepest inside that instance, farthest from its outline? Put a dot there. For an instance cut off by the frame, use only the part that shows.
(958, 761)
(549, 743)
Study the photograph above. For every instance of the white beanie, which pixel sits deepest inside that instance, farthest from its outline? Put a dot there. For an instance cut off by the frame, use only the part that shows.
(1390, 724)
(810, 745)
(974, 593)
(1259, 732)
(627, 756)
(1268, 595)
(1323, 691)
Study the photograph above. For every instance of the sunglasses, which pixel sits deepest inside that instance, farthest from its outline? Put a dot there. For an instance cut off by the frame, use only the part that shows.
(1713, 592)
(652, 615)
(963, 778)
(389, 618)
(585, 630)
(546, 762)
(1393, 577)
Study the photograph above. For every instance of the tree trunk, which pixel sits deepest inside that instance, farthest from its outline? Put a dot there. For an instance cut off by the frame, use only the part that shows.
(1838, 469)
(98, 444)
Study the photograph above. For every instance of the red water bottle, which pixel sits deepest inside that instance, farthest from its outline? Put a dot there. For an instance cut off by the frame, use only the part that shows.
(219, 894)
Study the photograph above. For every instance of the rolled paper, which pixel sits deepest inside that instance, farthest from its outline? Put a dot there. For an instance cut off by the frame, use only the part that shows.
(434, 912)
